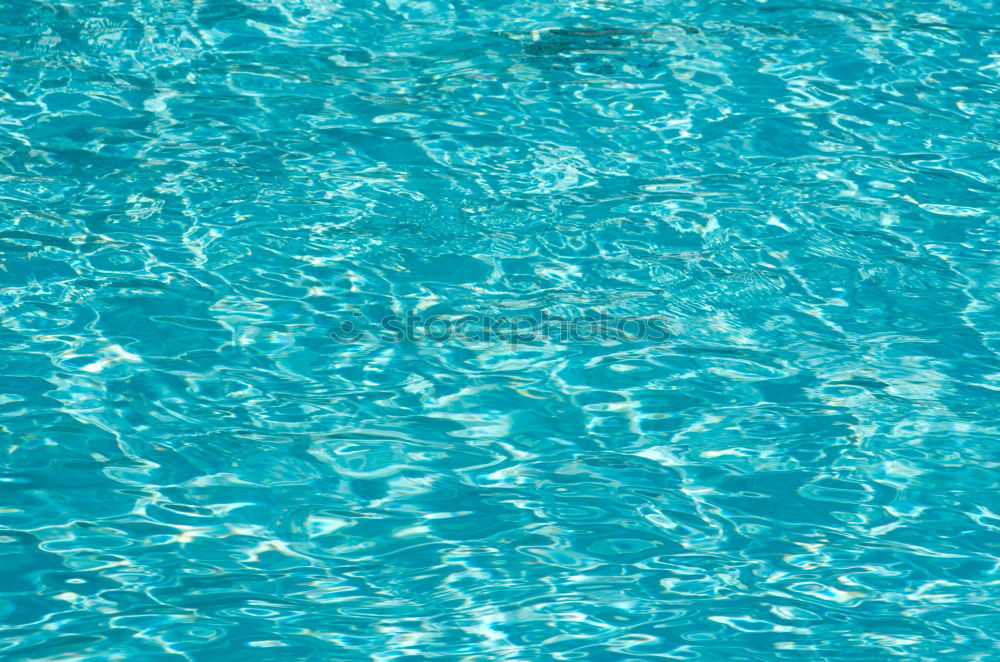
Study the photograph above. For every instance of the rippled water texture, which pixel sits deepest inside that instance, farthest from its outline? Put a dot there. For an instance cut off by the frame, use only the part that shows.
(197, 196)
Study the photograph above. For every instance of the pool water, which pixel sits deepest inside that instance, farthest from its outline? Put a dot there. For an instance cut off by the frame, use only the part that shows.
(499, 330)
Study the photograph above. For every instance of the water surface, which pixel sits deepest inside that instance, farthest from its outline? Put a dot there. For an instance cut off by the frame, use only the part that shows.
(214, 451)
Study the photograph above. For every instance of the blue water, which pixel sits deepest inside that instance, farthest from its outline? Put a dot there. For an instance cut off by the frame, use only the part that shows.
(499, 330)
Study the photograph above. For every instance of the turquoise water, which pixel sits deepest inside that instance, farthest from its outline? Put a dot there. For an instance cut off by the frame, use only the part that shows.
(476, 331)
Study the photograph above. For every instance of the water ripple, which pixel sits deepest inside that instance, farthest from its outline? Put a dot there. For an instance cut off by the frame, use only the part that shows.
(201, 465)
